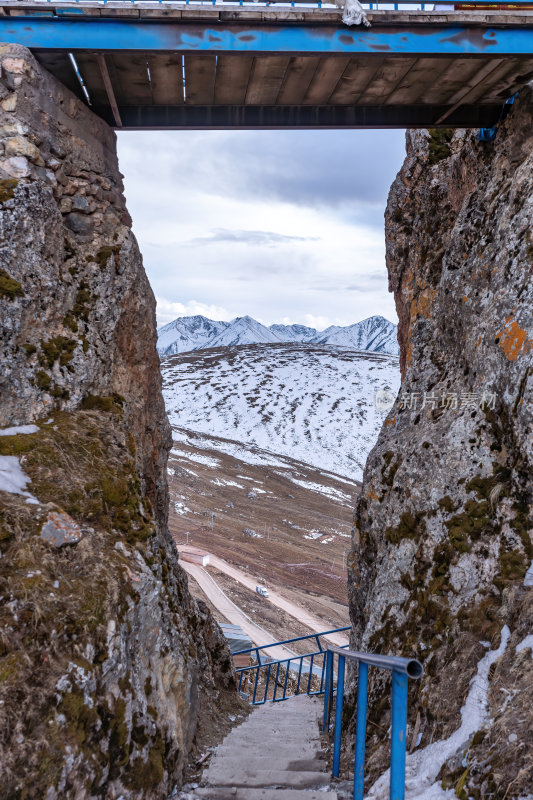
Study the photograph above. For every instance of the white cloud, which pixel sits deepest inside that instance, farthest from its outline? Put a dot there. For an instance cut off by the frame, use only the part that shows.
(272, 224)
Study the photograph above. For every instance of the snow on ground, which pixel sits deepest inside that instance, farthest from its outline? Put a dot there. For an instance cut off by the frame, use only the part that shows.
(333, 494)
(249, 456)
(13, 479)
(222, 482)
(423, 766)
(525, 644)
(18, 429)
(311, 403)
(197, 457)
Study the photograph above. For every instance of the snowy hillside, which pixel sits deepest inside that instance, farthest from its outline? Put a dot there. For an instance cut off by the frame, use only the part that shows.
(308, 402)
(184, 334)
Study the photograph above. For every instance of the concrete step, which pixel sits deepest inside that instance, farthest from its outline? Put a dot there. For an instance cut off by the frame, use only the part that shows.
(306, 731)
(276, 754)
(275, 750)
(236, 793)
(238, 775)
(257, 763)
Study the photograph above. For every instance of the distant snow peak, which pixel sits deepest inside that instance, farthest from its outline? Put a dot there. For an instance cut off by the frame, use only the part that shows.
(375, 334)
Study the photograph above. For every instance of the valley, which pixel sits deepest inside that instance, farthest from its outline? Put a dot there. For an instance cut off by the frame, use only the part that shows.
(287, 536)
(269, 441)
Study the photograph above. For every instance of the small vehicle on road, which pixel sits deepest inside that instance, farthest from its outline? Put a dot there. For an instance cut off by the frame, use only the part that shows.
(262, 590)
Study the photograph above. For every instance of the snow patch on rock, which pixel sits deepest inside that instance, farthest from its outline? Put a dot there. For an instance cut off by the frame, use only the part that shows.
(422, 767)
(13, 479)
(18, 429)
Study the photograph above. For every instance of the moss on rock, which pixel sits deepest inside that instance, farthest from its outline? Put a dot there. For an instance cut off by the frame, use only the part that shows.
(411, 526)
(9, 287)
(439, 144)
(7, 189)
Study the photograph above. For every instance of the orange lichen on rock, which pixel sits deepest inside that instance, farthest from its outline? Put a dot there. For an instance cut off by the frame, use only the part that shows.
(512, 339)
(421, 305)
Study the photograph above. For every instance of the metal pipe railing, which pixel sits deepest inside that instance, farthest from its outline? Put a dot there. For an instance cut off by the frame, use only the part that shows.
(402, 669)
(312, 664)
(315, 636)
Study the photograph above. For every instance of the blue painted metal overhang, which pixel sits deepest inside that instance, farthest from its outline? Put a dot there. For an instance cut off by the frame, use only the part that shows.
(60, 34)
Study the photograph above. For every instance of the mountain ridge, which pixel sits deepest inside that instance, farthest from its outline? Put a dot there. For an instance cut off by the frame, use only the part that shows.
(313, 403)
(186, 334)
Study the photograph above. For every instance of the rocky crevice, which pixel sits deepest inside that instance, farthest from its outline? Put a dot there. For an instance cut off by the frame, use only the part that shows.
(443, 530)
(107, 665)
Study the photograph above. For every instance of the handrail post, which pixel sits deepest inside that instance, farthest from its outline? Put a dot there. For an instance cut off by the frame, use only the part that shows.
(338, 718)
(310, 675)
(286, 678)
(256, 682)
(398, 735)
(327, 690)
(360, 731)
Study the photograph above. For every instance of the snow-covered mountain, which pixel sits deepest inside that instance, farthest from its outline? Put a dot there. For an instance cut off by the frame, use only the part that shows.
(376, 334)
(184, 334)
(310, 402)
(188, 333)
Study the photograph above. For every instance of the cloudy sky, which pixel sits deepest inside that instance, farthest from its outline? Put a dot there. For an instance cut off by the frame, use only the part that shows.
(286, 226)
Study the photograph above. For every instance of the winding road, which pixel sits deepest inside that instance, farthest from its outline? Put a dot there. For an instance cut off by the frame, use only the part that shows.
(235, 615)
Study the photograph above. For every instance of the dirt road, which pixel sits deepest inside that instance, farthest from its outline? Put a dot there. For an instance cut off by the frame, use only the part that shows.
(313, 623)
(233, 613)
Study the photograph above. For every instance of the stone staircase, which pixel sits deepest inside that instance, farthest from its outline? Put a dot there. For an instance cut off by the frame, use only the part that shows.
(276, 754)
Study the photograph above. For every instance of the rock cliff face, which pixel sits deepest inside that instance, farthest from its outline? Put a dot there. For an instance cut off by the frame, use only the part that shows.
(443, 530)
(104, 655)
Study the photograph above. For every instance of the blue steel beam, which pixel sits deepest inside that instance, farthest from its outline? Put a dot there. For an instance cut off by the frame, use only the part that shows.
(113, 35)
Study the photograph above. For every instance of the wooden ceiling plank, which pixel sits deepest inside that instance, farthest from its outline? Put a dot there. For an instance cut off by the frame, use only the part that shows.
(389, 75)
(232, 78)
(115, 77)
(453, 75)
(503, 78)
(519, 74)
(112, 100)
(328, 73)
(167, 79)
(355, 80)
(266, 80)
(300, 73)
(132, 72)
(415, 82)
(469, 87)
(200, 73)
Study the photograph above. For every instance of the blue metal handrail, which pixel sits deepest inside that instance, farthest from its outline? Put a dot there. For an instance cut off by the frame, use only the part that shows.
(402, 669)
(300, 666)
(309, 664)
(315, 636)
